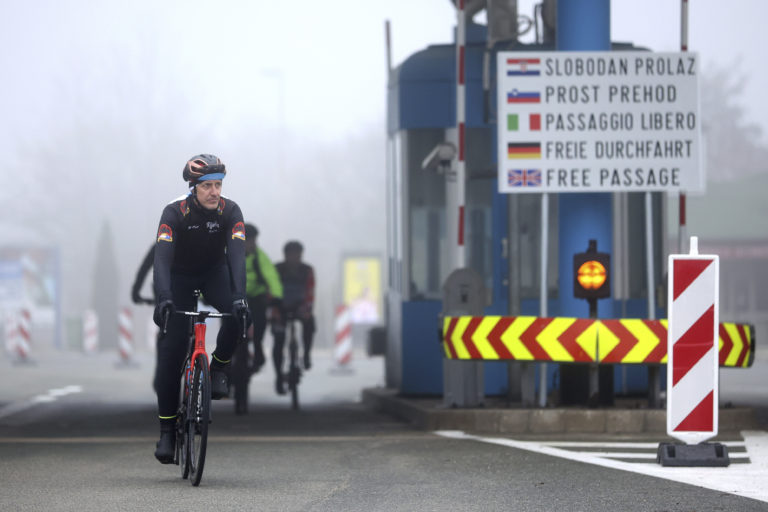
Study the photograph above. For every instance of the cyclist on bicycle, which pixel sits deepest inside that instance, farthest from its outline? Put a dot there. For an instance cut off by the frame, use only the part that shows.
(298, 280)
(262, 288)
(200, 246)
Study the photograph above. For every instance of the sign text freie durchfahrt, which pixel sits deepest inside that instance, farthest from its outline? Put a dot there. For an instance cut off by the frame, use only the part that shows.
(598, 122)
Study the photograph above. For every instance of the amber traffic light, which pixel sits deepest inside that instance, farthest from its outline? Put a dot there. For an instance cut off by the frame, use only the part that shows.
(591, 275)
(591, 272)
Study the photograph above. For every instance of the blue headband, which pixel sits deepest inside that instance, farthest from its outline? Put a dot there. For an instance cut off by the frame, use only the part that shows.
(212, 176)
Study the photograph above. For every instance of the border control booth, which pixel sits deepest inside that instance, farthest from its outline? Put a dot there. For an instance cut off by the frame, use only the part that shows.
(502, 231)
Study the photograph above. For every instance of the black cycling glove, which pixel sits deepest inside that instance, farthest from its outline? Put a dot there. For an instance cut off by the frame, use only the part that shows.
(163, 308)
(242, 313)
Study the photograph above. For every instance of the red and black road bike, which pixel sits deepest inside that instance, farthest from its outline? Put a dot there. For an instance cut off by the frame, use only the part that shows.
(194, 413)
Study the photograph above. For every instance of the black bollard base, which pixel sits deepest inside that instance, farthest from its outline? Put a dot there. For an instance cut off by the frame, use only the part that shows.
(693, 455)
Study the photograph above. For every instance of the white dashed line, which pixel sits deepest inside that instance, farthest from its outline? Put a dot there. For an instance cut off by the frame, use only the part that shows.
(50, 396)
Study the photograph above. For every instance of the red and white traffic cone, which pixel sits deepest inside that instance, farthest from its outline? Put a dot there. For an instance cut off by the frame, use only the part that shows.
(90, 332)
(342, 347)
(125, 336)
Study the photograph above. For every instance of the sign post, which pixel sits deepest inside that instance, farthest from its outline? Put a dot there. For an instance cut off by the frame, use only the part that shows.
(692, 367)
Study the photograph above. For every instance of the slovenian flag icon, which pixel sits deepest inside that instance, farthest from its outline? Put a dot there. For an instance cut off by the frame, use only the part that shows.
(523, 67)
(516, 96)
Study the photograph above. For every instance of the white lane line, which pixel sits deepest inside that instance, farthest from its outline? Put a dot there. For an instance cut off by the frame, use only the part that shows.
(741, 479)
(597, 444)
(646, 455)
(67, 390)
(50, 396)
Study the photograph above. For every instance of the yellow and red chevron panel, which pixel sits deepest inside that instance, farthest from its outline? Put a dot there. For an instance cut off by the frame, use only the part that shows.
(521, 338)
(632, 340)
(579, 340)
(737, 343)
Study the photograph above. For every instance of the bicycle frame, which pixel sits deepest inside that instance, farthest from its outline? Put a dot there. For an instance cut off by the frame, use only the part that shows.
(199, 328)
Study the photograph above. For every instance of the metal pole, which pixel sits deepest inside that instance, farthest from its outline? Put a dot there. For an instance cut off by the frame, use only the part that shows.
(682, 232)
(654, 381)
(543, 289)
(649, 256)
(461, 36)
(389, 48)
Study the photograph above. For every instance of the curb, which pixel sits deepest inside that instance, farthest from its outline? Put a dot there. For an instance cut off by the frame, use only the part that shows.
(429, 414)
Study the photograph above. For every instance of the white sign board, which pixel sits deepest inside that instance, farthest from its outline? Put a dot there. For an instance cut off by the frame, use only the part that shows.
(598, 122)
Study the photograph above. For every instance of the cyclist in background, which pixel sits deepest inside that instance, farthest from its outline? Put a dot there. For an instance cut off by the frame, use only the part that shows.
(138, 283)
(298, 280)
(200, 246)
(141, 276)
(262, 288)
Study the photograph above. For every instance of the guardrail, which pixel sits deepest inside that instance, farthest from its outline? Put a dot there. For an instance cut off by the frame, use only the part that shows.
(580, 340)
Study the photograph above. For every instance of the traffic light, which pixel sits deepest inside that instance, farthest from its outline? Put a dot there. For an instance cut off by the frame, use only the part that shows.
(592, 273)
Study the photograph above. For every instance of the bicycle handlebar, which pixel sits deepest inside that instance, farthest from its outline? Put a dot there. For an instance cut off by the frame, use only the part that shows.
(204, 315)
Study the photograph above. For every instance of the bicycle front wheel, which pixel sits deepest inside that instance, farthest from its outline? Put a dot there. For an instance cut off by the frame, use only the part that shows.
(198, 414)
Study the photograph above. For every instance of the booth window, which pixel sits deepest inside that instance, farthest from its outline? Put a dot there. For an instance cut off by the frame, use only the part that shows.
(426, 217)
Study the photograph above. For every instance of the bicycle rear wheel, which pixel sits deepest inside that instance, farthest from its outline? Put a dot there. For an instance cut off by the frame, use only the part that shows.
(293, 383)
(182, 425)
(294, 373)
(198, 414)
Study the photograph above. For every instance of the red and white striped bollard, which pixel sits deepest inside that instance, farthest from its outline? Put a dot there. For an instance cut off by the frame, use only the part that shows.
(24, 339)
(692, 346)
(125, 335)
(342, 347)
(90, 331)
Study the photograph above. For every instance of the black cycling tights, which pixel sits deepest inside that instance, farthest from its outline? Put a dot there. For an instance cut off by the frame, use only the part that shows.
(172, 348)
(278, 336)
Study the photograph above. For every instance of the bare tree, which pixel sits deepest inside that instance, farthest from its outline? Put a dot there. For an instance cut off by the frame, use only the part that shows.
(733, 144)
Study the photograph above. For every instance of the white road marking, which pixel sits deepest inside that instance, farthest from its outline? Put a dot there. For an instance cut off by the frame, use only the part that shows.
(646, 455)
(740, 479)
(50, 396)
(629, 444)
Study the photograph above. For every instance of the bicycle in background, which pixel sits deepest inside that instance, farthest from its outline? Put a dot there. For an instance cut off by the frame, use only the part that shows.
(294, 370)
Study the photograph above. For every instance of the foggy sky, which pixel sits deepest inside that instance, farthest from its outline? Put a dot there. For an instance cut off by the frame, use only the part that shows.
(103, 102)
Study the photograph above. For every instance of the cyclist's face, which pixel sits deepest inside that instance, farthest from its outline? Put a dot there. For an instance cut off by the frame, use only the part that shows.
(293, 257)
(209, 193)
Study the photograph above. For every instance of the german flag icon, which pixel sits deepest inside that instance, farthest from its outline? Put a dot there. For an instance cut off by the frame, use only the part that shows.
(522, 150)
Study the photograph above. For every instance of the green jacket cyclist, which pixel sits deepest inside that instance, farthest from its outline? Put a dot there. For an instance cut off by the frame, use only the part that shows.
(262, 288)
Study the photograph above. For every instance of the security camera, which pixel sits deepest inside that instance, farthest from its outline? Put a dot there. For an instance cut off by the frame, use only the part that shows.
(440, 157)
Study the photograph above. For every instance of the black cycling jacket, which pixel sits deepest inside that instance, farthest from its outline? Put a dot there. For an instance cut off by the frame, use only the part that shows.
(192, 240)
